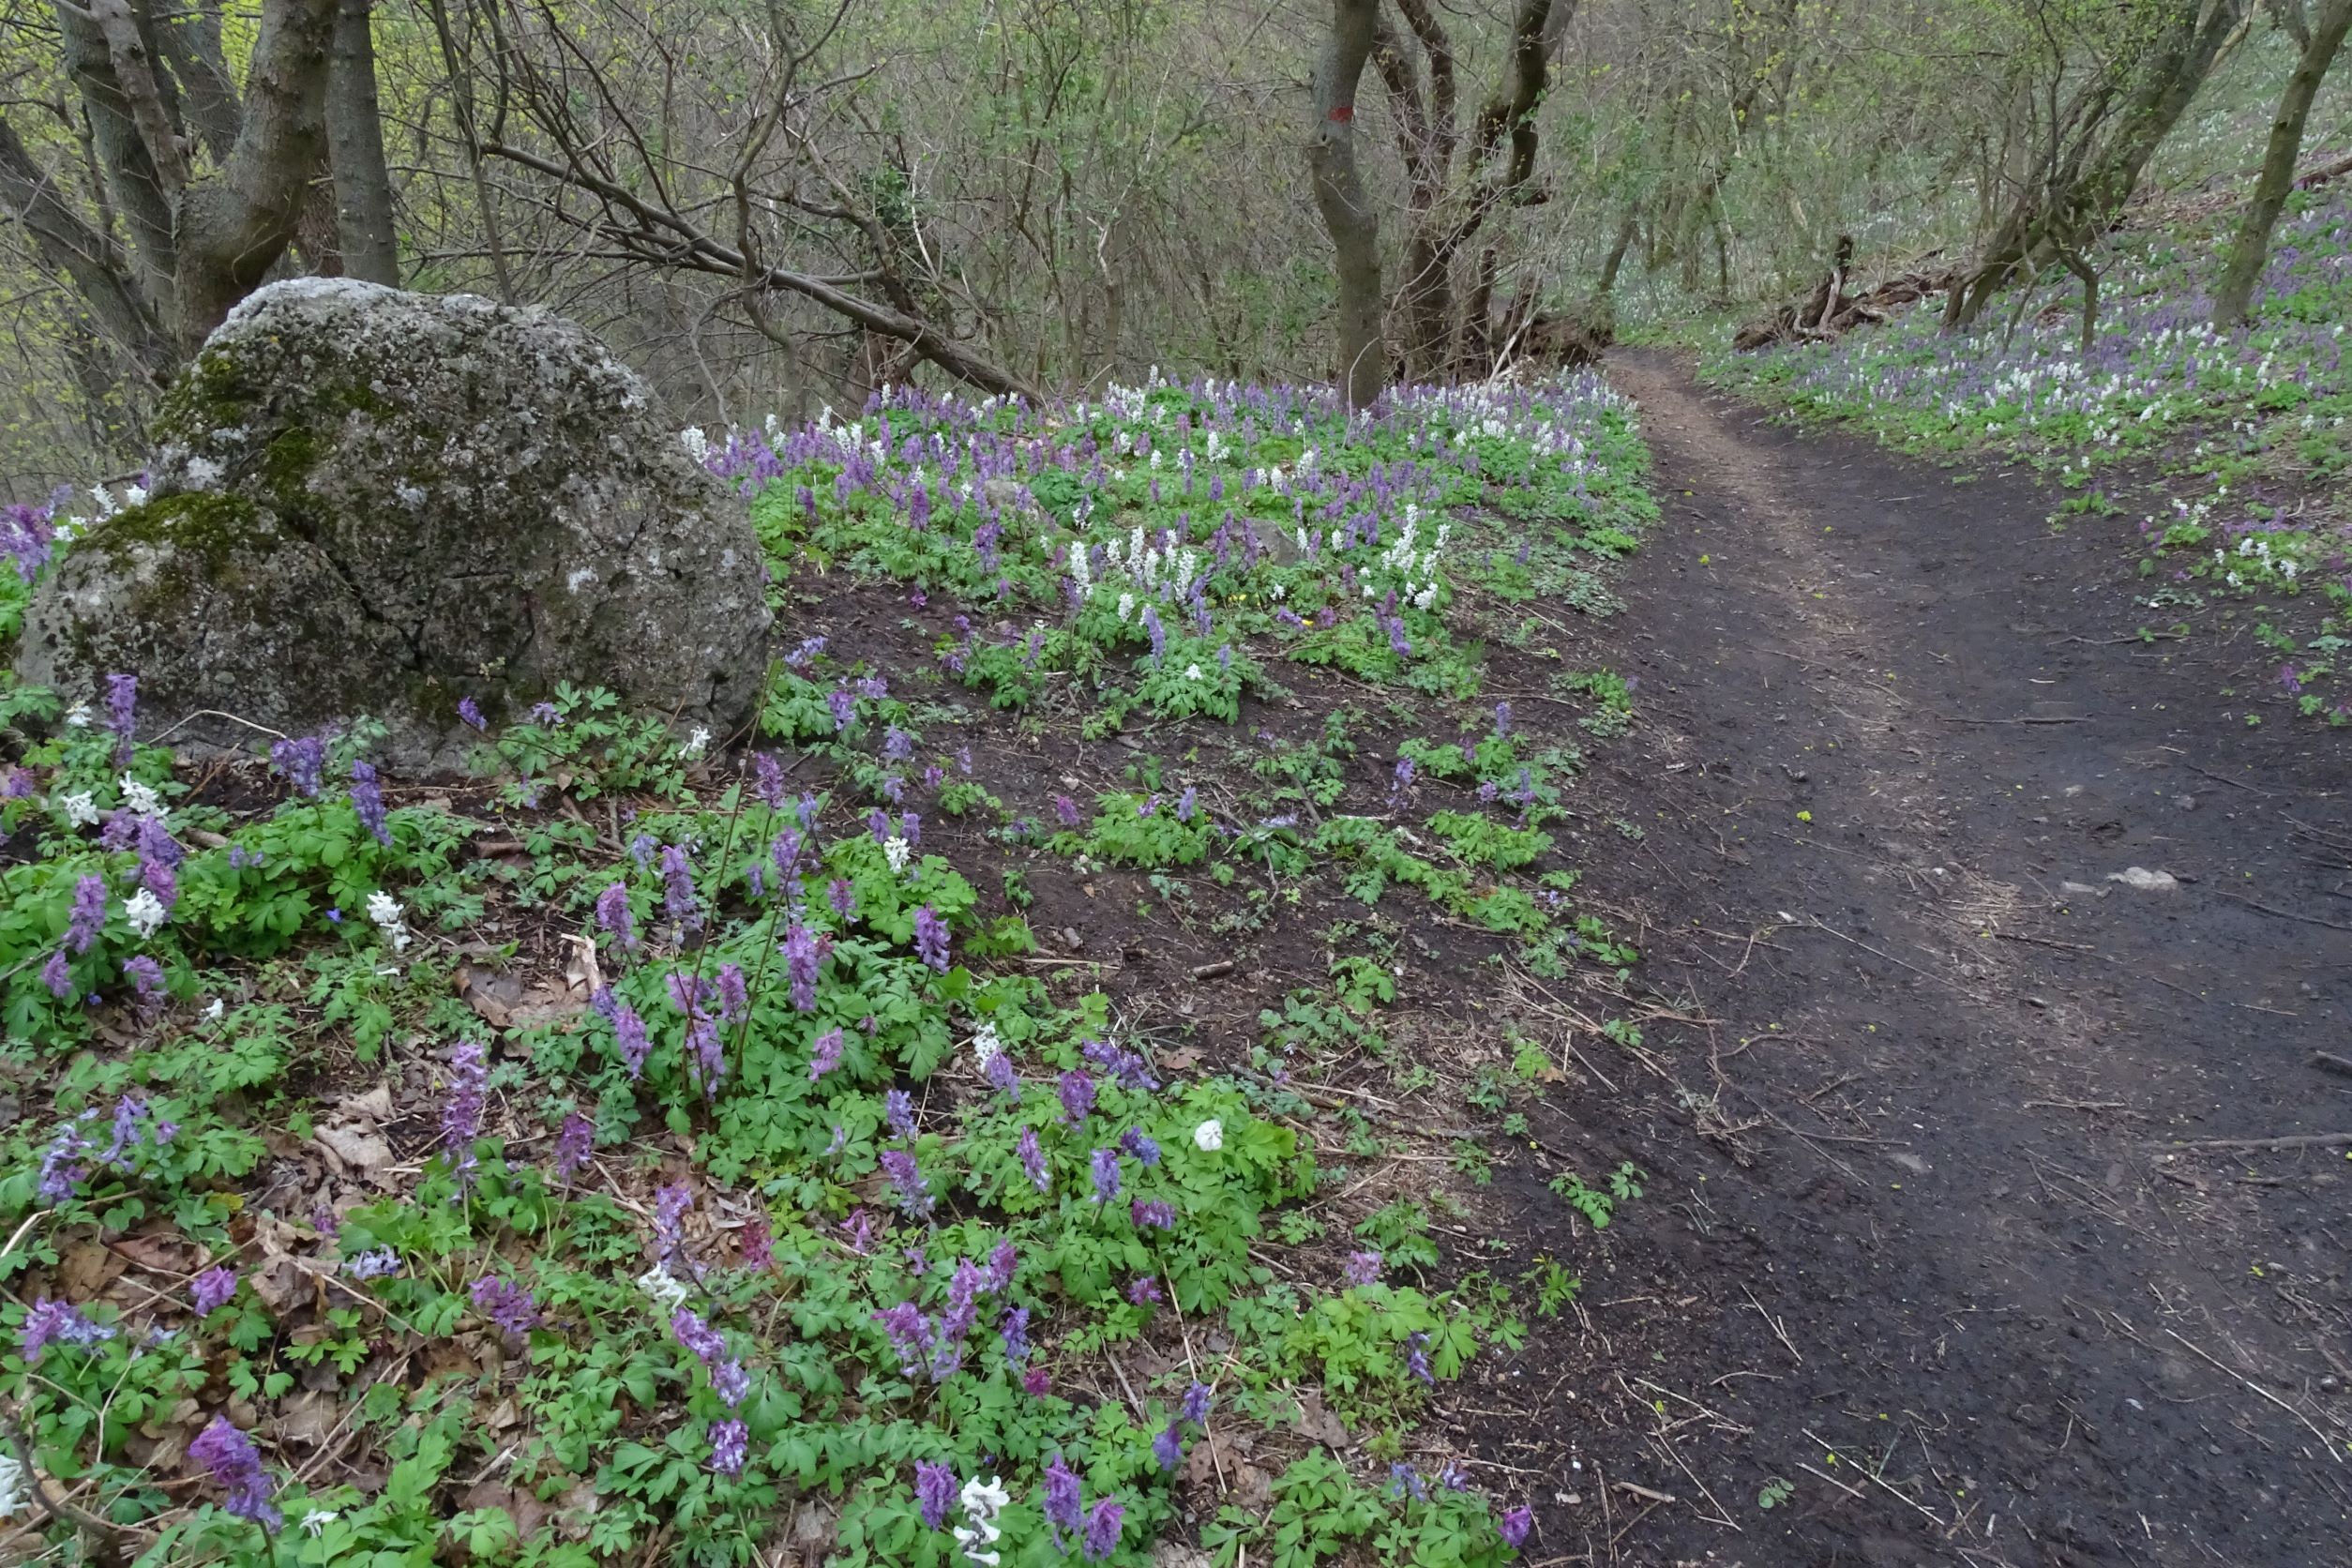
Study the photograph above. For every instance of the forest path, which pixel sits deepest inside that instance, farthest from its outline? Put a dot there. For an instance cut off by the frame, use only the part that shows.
(1937, 1221)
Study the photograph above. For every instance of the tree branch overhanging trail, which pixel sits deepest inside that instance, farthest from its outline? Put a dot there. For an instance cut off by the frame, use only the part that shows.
(688, 247)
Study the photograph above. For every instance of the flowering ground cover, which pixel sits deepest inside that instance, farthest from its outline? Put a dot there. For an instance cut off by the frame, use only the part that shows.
(2246, 430)
(955, 1123)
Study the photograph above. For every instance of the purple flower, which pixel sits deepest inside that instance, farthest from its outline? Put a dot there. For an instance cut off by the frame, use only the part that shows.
(1102, 1529)
(1135, 1142)
(130, 1111)
(914, 1192)
(1417, 1357)
(50, 1321)
(1066, 808)
(728, 1377)
(1168, 1447)
(860, 1224)
(1196, 1405)
(734, 998)
(146, 980)
(935, 1490)
(58, 975)
(1184, 804)
(228, 1452)
(930, 939)
(1002, 1077)
(631, 1039)
(212, 1290)
(730, 1444)
(1151, 1216)
(1002, 1263)
(898, 1111)
(677, 883)
(767, 780)
(88, 916)
(461, 1112)
(1036, 1383)
(574, 1143)
(612, 916)
(1405, 1482)
(910, 826)
(1032, 1158)
(758, 1244)
(470, 713)
(1514, 1526)
(910, 1335)
(824, 1055)
(844, 706)
(372, 1265)
(1125, 1065)
(1063, 1507)
(302, 761)
(506, 1304)
(1146, 1289)
(366, 799)
(1078, 1096)
(1503, 719)
(802, 953)
(122, 708)
(670, 1204)
(1104, 1169)
(1013, 1330)
(843, 898)
(785, 853)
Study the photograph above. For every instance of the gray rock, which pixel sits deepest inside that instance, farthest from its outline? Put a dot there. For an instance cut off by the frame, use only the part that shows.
(376, 502)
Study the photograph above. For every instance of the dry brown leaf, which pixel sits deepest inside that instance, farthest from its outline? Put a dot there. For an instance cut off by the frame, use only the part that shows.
(85, 1269)
(354, 1146)
(375, 1105)
(1319, 1423)
(582, 973)
(491, 996)
(309, 1418)
(281, 1285)
(165, 1252)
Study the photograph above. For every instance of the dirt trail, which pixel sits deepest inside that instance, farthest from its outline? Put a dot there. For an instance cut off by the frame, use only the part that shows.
(1917, 1171)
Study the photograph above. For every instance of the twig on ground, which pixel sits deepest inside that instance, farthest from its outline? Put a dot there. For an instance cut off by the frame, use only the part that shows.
(2325, 1441)
(2283, 915)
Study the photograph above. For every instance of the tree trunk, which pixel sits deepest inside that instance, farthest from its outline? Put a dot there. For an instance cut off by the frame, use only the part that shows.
(355, 143)
(1615, 260)
(235, 225)
(1340, 197)
(2234, 296)
(68, 244)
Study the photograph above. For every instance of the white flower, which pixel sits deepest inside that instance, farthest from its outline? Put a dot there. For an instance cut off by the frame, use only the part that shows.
(78, 716)
(387, 914)
(987, 1045)
(80, 809)
(141, 798)
(316, 1521)
(212, 1014)
(983, 1501)
(145, 913)
(14, 1494)
(898, 851)
(696, 743)
(668, 1291)
(1126, 606)
(698, 446)
(1209, 1137)
(1191, 671)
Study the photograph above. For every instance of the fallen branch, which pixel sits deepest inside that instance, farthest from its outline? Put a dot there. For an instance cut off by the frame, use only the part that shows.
(2325, 1441)
(2283, 915)
(2294, 1140)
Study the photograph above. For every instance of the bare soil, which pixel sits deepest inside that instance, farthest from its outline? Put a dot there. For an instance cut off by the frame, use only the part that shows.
(1931, 1231)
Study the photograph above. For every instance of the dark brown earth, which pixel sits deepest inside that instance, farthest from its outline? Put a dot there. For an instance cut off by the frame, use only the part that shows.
(1922, 1193)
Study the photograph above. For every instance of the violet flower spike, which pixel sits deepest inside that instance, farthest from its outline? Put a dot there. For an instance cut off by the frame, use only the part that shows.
(826, 1055)
(574, 1143)
(1102, 1526)
(935, 1491)
(1032, 1158)
(730, 1444)
(1063, 1503)
(461, 1112)
(228, 1452)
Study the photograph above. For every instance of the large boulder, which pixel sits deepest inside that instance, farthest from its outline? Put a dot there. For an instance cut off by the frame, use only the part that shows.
(375, 503)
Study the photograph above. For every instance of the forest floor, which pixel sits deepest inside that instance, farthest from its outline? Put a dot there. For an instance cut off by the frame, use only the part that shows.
(2006, 1197)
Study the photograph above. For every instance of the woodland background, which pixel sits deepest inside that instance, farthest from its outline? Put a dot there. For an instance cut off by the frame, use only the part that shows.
(768, 206)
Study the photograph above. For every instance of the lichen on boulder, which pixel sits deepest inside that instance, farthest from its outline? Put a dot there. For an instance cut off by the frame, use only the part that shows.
(375, 503)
